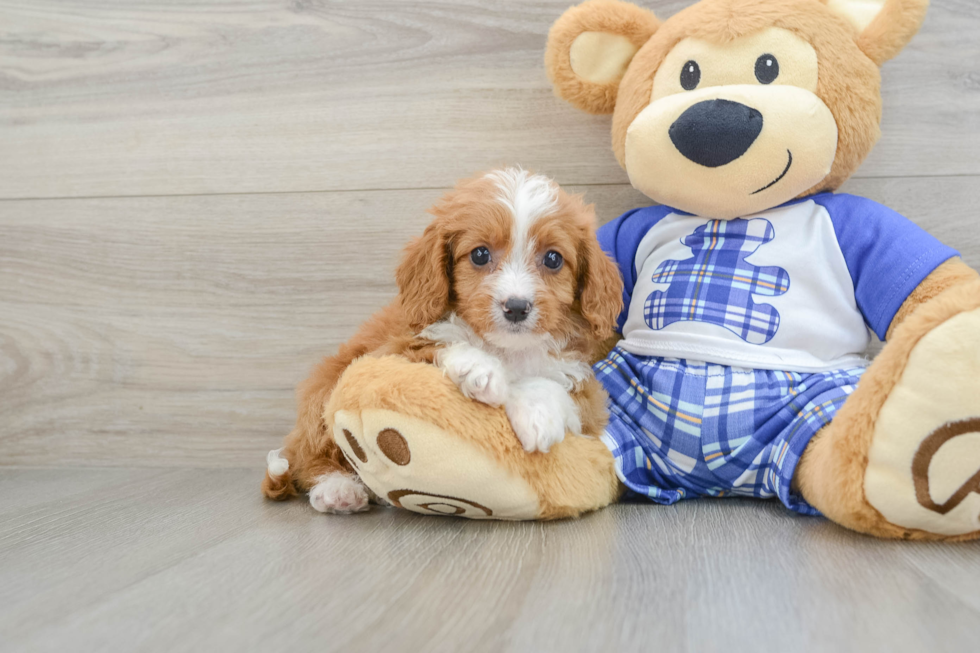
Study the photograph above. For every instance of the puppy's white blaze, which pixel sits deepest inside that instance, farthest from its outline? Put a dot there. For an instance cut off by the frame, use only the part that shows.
(276, 464)
(516, 278)
(526, 196)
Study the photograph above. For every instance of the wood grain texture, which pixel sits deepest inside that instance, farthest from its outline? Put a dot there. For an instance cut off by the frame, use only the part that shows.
(106, 97)
(175, 560)
(171, 330)
(161, 324)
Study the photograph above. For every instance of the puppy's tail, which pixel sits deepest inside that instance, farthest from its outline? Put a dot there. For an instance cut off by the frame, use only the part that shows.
(278, 482)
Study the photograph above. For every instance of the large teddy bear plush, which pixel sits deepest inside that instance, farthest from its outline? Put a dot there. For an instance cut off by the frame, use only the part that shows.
(751, 292)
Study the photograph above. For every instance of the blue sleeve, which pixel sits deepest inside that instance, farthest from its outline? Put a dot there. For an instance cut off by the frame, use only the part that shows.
(887, 255)
(621, 238)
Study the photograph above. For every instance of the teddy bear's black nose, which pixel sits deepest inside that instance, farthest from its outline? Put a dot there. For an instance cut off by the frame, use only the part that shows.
(715, 132)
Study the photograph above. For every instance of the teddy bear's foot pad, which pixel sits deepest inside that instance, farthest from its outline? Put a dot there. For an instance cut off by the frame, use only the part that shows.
(415, 465)
(924, 461)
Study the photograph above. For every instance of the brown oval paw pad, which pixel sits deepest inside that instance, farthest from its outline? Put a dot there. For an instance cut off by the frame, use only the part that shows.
(393, 445)
(355, 446)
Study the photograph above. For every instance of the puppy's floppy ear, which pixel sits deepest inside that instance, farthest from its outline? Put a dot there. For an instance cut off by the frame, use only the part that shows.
(600, 288)
(424, 276)
(883, 27)
(589, 48)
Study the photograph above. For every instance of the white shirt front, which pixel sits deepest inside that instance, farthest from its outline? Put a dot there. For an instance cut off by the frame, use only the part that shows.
(769, 291)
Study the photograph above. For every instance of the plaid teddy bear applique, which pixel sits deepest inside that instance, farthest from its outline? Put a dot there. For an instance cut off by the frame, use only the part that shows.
(716, 285)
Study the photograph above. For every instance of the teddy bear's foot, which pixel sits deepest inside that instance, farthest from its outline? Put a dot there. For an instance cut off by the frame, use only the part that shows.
(415, 465)
(924, 462)
(418, 443)
(902, 458)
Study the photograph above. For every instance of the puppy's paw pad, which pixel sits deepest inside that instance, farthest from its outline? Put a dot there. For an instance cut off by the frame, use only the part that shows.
(541, 412)
(339, 493)
(478, 375)
(537, 425)
(486, 385)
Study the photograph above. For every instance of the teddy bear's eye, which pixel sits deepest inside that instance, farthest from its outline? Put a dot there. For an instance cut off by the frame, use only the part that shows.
(690, 75)
(766, 69)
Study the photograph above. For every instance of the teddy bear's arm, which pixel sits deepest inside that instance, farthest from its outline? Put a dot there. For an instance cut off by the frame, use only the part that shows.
(951, 273)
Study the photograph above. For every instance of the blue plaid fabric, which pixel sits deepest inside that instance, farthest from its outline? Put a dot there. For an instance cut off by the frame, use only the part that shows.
(680, 429)
(717, 284)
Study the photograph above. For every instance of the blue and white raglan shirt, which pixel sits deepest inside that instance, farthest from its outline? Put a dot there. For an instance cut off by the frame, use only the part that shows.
(795, 288)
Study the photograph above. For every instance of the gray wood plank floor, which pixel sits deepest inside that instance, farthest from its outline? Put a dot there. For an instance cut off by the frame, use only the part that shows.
(198, 199)
(180, 560)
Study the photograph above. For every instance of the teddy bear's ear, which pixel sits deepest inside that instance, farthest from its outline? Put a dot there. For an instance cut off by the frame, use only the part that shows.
(883, 27)
(589, 48)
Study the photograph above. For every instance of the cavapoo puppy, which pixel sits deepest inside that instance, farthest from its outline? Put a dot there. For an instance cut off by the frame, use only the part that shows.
(509, 293)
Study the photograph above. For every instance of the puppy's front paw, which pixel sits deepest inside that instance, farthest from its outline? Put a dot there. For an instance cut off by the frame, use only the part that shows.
(540, 412)
(479, 375)
(339, 493)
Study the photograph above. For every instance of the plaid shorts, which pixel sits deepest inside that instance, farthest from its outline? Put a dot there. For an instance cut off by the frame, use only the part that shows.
(680, 429)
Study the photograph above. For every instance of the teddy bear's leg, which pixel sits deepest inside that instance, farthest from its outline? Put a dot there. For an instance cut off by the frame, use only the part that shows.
(419, 444)
(902, 457)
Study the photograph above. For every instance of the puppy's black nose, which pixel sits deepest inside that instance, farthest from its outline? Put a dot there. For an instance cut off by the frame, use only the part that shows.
(715, 132)
(516, 309)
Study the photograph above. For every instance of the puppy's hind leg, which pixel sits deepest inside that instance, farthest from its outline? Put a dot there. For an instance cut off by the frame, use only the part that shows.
(278, 482)
(314, 464)
(332, 483)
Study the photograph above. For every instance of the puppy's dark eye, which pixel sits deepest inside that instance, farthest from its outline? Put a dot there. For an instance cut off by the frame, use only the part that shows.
(553, 260)
(480, 256)
(766, 69)
(690, 75)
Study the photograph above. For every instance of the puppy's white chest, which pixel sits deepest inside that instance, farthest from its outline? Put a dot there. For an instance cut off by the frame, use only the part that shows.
(522, 364)
(465, 351)
(538, 364)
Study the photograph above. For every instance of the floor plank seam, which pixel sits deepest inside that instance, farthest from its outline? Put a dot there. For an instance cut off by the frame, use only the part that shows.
(406, 189)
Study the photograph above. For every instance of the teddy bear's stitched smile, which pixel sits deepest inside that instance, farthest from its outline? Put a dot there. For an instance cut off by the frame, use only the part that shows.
(776, 180)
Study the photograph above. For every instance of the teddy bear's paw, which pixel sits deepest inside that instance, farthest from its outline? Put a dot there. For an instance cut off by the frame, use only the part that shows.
(339, 493)
(541, 411)
(924, 460)
(478, 375)
(418, 466)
